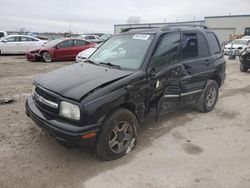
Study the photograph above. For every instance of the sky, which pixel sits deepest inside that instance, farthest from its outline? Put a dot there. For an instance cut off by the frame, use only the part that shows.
(81, 16)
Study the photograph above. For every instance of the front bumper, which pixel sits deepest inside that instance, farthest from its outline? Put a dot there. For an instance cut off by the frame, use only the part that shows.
(32, 56)
(61, 130)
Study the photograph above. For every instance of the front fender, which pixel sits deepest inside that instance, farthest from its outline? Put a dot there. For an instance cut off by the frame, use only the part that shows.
(98, 109)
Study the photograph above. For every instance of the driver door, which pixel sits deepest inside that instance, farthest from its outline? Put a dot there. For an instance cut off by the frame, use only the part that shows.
(164, 74)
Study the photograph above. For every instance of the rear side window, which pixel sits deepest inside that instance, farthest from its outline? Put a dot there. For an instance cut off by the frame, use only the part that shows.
(202, 46)
(1, 35)
(213, 42)
(80, 43)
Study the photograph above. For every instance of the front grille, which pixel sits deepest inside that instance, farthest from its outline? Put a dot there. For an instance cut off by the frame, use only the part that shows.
(42, 105)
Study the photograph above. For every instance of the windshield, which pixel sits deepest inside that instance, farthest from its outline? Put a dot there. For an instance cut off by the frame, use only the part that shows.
(125, 51)
(53, 43)
(243, 42)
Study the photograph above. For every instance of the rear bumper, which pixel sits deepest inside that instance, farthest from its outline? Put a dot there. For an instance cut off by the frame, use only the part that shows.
(61, 130)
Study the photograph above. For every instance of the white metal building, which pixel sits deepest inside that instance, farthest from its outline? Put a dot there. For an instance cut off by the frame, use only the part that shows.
(223, 26)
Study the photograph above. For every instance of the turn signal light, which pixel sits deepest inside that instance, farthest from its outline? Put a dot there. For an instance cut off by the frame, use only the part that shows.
(89, 135)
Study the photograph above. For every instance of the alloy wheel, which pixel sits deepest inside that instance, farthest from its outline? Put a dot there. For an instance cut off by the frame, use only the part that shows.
(120, 137)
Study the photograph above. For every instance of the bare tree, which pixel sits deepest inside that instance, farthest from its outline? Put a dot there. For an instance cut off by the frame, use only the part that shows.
(134, 20)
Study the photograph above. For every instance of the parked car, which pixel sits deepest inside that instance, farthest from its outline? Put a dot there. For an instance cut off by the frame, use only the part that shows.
(245, 60)
(246, 37)
(83, 55)
(18, 44)
(236, 47)
(3, 34)
(90, 38)
(103, 101)
(59, 50)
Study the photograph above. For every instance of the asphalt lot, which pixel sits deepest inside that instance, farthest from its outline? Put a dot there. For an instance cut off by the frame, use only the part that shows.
(185, 149)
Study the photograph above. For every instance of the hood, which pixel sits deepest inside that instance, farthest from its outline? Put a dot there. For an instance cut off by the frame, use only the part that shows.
(86, 53)
(75, 81)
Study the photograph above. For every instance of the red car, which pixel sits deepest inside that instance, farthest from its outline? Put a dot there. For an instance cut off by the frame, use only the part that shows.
(59, 50)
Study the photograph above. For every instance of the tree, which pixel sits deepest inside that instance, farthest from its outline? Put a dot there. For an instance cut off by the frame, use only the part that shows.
(134, 20)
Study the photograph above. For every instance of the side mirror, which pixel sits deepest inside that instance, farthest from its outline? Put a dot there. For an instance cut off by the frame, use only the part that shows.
(4, 41)
(57, 47)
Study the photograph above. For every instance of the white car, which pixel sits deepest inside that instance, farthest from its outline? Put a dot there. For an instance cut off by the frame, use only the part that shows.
(83, 55)
(246, 37)
(236, 46)
(90, 38)
(19, 44)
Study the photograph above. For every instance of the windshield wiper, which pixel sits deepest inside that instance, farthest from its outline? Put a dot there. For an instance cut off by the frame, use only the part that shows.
(111, 65)
(89, 61)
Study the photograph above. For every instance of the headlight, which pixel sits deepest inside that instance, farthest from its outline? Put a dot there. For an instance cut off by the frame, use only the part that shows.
(69, 110)
(33, 90)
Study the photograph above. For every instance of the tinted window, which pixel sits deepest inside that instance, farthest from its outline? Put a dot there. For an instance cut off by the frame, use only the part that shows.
(66, 44)
(214, 43)
(1, 35)
(27, 39)
(189, 45)
(91, 37)
(202, 46)
(167, 50)
(79, 43)
(13, 39)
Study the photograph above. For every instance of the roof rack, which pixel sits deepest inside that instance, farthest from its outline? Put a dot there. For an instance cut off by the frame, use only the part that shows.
(167, 27)
(131, 28)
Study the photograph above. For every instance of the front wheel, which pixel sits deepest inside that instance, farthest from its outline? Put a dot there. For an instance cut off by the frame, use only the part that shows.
(46, 57)
(118, 135)
(243, 68)
(209, 97)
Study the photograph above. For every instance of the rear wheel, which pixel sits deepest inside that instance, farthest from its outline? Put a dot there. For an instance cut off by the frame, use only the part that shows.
(209, 97)
(243, 68)
(46, 56)
(118, 135)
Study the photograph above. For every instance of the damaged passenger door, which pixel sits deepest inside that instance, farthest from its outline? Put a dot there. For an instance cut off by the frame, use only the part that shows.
(197, 65)
(165, 71)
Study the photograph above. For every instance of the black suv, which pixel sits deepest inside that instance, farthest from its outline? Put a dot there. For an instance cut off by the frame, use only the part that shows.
(103, 100)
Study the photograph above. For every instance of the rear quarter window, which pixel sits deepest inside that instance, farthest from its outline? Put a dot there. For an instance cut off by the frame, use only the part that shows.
(213, 42)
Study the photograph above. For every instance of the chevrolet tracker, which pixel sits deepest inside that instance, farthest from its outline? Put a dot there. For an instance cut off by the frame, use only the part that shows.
(103, 100)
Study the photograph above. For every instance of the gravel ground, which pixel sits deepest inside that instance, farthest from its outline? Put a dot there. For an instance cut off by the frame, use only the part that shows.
(185, 149)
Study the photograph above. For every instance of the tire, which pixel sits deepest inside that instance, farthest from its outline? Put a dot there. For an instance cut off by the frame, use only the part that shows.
(243, 68)
(208, 98)
(118, 135)
(46, 56)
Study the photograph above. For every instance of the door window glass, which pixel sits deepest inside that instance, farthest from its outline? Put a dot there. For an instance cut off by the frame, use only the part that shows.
(13, 39)
(167, 51)
(79, 43)
(189, 45)
(66, 44)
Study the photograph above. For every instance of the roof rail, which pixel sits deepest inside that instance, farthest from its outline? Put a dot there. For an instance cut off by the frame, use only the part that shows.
(167, 27)
(131, 28)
